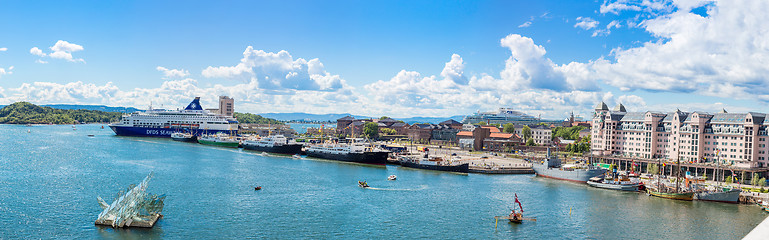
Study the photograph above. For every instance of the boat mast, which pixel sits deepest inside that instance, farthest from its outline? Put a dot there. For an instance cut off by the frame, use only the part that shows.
(678, 173)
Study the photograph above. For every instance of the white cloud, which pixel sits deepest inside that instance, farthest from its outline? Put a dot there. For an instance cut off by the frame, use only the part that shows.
(61, 50)
(618, 6)
(173, 73)
(454, 70)
(3, 49)
(586, 23)
(4, 71)
(721, 54)
(278, 71)
(36, 51)
(526, 24)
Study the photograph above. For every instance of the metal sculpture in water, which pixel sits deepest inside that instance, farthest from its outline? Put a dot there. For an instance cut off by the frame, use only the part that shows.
(132, 208)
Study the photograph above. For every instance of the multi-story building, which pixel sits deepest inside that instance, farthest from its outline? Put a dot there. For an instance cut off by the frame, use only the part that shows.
(738, 139)
(226, 106)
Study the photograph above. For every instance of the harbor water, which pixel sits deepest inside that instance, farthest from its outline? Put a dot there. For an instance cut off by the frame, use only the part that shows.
(50, 178)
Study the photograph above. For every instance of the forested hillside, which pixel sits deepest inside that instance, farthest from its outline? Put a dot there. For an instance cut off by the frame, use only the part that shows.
(28, 113)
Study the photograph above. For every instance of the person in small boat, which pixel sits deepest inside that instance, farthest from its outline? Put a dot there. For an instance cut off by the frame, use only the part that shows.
(514, 216)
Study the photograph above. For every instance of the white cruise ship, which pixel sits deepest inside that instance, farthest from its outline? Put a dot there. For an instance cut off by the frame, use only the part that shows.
(162, 123)
(502, 116)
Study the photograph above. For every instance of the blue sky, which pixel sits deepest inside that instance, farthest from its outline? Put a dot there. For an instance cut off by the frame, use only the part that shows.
(395, 58)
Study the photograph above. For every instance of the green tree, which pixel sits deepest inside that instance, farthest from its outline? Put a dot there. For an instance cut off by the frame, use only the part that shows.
(388, 131)
(652, 169)
(253, 118)
(371, 130)
(530, 142)
(762, 182)
(729, 180)
(383, 117)
(509, 128)
(482, 123)
(526, 132)
(569, 148)
(754, 180)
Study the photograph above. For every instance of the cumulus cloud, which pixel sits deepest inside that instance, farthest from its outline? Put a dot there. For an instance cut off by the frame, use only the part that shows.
(693, 54)
(37, 52)
(60, 50)
(173, 73)
(586, 23)
(278, 71)
(529, 82)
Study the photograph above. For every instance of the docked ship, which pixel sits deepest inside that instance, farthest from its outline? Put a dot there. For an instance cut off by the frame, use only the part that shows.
(349, 152)
(501, 116)
(622, 184)
(162, 123)
(274, 144)
(728, 195)
(433, 163)
(551, 168)
(184, 137)
(219, 139)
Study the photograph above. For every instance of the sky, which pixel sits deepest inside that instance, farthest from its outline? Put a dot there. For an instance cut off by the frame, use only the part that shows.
(389, 58)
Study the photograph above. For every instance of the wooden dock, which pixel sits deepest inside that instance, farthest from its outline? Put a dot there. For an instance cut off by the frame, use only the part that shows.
(515, 170)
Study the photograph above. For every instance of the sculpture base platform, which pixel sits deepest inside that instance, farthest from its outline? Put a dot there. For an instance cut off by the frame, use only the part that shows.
(130, 223)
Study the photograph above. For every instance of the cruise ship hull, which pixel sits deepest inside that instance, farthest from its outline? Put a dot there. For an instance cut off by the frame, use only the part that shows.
(462, 168)
(376, 158)
(290, 149)
(156, 132)
(732, 196)
(579, 175)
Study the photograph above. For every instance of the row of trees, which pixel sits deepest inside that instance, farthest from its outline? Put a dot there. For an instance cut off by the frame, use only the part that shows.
(253, 118)
(570, 133)
(28, 113)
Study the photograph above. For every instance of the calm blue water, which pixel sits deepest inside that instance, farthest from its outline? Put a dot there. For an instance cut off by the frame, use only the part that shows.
(50, 178)
(302, 127)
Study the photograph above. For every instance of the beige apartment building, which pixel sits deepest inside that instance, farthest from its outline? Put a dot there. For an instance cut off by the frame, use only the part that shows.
(736, 139)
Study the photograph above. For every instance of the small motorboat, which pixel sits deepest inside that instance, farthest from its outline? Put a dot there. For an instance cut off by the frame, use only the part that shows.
(297, 156)
(264, 154)
(257, 188)
(392, 178)
(90, 135)
(362, 184)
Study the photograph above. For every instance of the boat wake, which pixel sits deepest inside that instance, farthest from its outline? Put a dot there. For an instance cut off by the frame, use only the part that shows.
(421, 187)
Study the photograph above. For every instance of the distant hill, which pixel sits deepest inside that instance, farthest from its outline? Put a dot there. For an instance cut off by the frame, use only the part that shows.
(27, 113)
(309, 117)
(93, 108)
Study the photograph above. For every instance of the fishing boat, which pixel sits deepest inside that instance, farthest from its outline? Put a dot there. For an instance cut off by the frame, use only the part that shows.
(220, 140)
(622, 184)
(273, 144)
(551, 167)
(184, 137)
(432, 163)
(392, 177)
